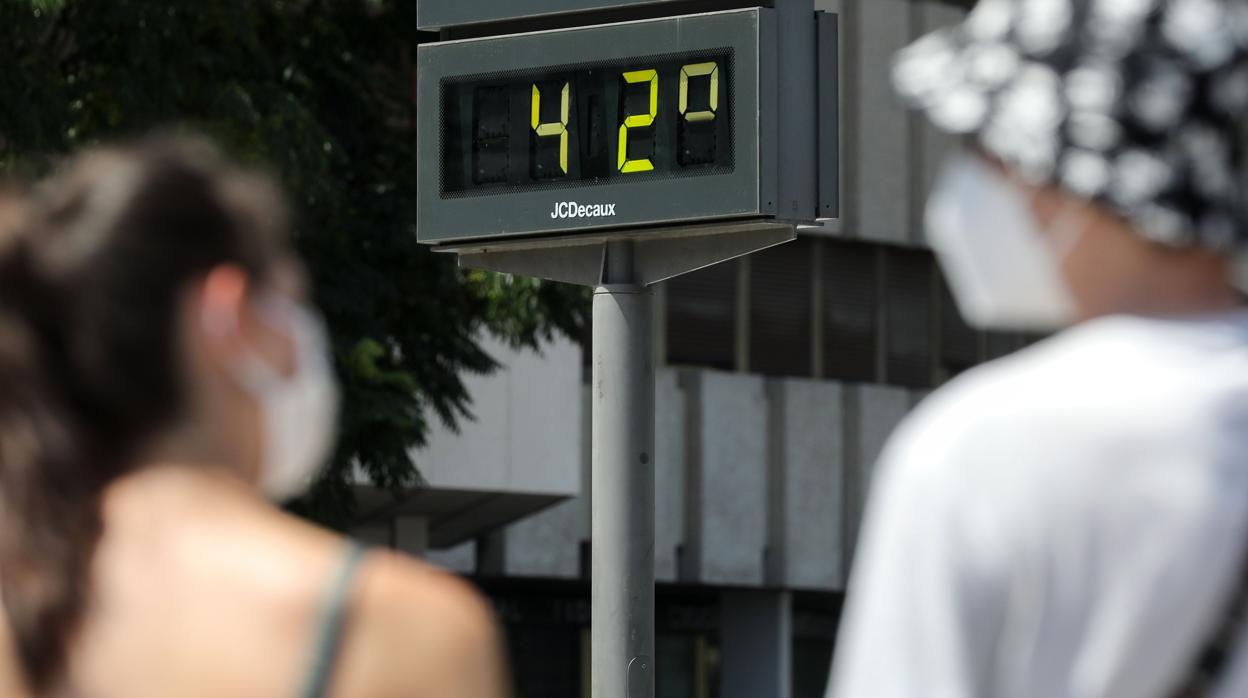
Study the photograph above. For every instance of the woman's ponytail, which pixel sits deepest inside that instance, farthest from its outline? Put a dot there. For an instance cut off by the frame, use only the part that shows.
(49, 516)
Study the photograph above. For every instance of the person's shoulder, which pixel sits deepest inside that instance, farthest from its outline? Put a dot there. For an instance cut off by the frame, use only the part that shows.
(1041, 377)
(417, 629)
(1101, 387)
(985, 404)
(399, 581)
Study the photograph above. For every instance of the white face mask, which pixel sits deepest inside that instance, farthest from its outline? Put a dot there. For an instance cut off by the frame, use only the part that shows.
(298, 414)
(1002, 270)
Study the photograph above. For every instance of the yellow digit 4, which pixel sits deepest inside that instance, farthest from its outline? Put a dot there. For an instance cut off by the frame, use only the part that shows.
(554, 128)
(639, 120)
(694, 70)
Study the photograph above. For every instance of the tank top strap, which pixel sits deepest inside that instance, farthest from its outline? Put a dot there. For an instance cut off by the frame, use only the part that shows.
(330, 625)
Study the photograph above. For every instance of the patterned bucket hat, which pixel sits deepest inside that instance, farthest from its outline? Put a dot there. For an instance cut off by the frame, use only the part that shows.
(1139, 105)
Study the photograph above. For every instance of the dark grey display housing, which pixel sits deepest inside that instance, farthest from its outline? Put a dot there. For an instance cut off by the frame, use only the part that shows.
(437, 14)
(773, 132)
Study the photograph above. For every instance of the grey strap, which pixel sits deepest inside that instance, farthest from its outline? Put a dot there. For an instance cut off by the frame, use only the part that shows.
(333, 617)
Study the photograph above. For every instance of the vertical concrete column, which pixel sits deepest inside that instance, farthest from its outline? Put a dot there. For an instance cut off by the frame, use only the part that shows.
(584, 524)
(756, 644)
(805, 484)
(726, 498)
(872, 412)
(379, 535)
(492, 554)
(587, 480)
(411, 534)
(669, 473)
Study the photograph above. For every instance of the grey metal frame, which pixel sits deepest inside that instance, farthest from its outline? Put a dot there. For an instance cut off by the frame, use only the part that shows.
(829, 75)
(796, 173)
(751, 34)
(657, 256)
(438, 14)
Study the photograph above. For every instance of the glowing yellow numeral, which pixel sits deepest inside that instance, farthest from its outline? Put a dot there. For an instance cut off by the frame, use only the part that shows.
(694, 70)
(639, 120)
(552, 128)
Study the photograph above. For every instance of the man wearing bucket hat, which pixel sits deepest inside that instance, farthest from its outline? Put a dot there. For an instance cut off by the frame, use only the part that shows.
(1073, 520)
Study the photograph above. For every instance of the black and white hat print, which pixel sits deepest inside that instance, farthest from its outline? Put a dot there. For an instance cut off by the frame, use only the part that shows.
(1140, 105)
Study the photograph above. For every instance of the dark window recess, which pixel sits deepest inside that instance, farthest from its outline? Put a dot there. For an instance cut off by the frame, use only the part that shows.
(959, 342)
(1002, 343)
(849, 311)
(701, 317)
(908, 275)
(676, 674)
(815, 618)
(545, 660)
(1029, 338)
(587, 351)
(780, 310)
(812, 662)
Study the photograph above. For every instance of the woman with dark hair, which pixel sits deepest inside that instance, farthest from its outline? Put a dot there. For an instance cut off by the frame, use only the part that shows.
(160, 378)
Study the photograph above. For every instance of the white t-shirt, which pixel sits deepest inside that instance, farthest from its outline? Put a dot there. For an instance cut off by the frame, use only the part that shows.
(1067, 521)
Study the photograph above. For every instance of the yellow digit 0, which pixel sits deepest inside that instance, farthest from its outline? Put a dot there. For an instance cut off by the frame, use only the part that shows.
(694, 70)
(554, 128)
(639, 120)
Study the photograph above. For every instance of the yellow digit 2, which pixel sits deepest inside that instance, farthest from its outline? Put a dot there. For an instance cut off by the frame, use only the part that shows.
(694, 70)
(554, 128)
(639, 120)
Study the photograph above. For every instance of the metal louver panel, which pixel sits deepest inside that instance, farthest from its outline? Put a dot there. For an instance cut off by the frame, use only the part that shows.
(1002, 343)
(908, 277)
(780, 280)
(701, 317)
(850, 309)
(959, 342)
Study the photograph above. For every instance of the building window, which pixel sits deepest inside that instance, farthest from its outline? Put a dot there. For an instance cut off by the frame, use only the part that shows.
(850, 311)
(816, 616)
(1001, 343)
(780, 313)
(701, 317)
(686, 666)
(1029, 338)
(875, 313)
(908, 293)
(545, 660)
(812, 662)
(959, 342)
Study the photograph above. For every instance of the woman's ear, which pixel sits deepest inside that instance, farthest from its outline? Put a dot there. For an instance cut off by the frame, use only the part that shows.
(214, 313)
(218, 304)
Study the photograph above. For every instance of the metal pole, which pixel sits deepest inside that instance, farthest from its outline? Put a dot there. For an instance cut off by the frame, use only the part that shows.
(623, 483)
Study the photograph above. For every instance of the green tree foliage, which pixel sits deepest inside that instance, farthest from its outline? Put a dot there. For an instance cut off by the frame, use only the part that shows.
(321, 92)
